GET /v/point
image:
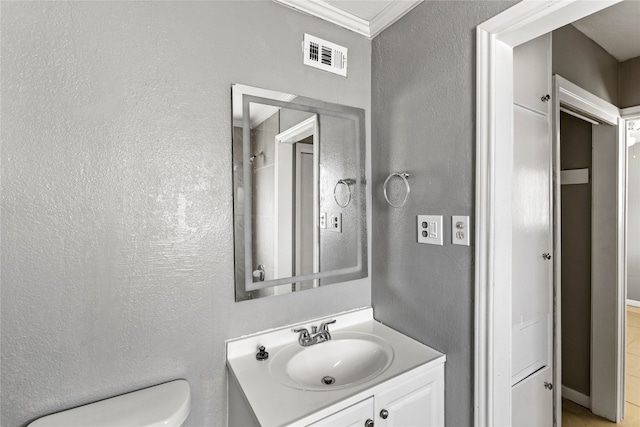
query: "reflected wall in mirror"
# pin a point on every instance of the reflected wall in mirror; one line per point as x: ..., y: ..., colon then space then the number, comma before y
x: 299, y: 193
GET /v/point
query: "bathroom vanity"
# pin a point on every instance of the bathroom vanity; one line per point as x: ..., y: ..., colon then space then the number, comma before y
x: 362, y: 374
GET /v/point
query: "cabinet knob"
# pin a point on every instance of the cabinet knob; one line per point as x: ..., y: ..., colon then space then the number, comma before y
x: 368, y: 423
x: 384, y: 414
x: 545, y: 98
x: 546, y: 256
x: 548, y: 385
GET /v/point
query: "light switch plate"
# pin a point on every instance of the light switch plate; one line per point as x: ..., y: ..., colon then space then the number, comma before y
x: 460, y: 230
x: 430, y: 229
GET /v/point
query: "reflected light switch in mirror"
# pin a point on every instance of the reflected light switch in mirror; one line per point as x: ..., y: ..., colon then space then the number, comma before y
x: 335, y: 223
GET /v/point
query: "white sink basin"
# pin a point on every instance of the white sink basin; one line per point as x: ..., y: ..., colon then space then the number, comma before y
x: 345, y: 361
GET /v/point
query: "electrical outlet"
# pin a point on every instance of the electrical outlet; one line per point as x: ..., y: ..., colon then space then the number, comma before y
x: 460, y: 231
x: 430, y: 229
x: 323, y: 220
x: 335, y: 223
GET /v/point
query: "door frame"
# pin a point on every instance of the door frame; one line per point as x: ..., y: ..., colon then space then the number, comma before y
x: 300, y: 150
x: 284, y: 196
x: 495, y: 40
x: 607, y: 379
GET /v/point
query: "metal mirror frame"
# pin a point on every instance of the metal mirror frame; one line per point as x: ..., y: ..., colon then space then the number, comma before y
x: 357, y: 115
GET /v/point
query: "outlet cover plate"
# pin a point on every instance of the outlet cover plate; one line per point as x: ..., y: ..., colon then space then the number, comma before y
x: 430, y: 229
x: 335, y: 223
x: 460, y: 230
x: 323, y: 220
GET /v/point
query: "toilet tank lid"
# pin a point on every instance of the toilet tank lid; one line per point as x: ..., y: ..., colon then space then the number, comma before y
x: 164, y: 405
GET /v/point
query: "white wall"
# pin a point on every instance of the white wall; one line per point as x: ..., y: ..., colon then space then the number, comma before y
x: 633, y: 224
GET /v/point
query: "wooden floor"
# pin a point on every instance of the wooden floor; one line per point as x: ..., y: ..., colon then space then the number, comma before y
x: 576, y: 416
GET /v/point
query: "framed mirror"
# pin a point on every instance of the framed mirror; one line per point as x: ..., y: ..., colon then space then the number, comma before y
x: 299, y: 192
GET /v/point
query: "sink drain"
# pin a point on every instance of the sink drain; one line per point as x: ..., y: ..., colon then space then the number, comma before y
x: 328, y: 380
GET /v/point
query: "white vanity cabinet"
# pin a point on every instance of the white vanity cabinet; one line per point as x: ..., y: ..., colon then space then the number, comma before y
x: 415, y: 398
x: 407, y: 389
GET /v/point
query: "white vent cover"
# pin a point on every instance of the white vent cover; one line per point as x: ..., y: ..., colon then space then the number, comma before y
x: 325, y: 55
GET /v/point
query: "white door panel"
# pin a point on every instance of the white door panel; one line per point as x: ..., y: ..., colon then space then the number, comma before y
x: 531, y: 74
x: 531, y: 281
x: 530, y: 346
x: 531, y: 217
x: 532, y: 401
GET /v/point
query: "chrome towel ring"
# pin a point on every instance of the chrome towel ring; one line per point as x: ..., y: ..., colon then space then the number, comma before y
x: 344, y: 182
x: 403, y: 176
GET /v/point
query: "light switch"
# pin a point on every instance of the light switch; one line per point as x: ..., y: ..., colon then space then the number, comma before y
x: 430, y: 229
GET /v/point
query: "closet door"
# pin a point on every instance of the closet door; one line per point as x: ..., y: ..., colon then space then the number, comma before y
x: 532, y: 263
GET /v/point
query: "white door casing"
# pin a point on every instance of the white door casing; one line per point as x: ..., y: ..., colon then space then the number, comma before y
x: 608, y: 241
x: 284, y: 195
x: 496, y: 39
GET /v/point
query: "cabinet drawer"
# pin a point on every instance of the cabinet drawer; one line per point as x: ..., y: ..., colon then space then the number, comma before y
x: 353, y: 416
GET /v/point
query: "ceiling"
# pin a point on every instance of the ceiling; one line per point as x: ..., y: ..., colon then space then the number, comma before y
x: 616, y: 29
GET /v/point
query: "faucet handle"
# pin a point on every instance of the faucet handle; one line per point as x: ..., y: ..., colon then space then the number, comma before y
x: 304, y: 337
x: 324, y: 326
x: 304, y: 333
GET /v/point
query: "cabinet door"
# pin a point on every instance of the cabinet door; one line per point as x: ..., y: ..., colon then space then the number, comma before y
x: 353, y: 416
x: 532, y: 74
x: 532, y: 401
x: 417, y: 401
x: 531, y: 294
x: 532, y: 238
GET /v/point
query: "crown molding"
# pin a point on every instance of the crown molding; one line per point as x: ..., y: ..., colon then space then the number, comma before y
x: 323, y: 10
x: 390, y: 15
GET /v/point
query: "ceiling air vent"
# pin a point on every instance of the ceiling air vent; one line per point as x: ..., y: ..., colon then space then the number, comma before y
x: 325, y: 55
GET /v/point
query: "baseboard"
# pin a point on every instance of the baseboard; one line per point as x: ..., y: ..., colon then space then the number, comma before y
x: 576, y: 397
x: 633, y: 302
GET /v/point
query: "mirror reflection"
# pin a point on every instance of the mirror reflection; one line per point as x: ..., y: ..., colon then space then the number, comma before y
x: 299, y: 197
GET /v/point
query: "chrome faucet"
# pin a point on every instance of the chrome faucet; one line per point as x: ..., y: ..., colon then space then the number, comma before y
x: 307, y: 338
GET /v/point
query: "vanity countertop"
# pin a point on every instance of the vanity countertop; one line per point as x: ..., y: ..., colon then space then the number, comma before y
x: 276, y: 404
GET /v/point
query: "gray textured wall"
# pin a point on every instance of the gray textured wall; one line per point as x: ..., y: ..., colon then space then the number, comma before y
x: 117, y: 236
x: 580, y: 60
x: 629, y: 73
x: 423, y: 107
x: 575, y: 153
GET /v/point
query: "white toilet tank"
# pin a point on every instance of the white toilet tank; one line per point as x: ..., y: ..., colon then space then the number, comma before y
x: 166, y: 405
